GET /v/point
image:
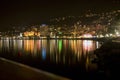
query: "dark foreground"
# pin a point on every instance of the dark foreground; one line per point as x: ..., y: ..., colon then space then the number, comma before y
x: 10, y: 70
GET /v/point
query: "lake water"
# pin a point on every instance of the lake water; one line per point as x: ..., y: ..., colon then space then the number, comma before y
x: 69, y: 58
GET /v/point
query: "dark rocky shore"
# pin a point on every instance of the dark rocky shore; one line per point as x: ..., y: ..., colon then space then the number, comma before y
x: 108, y: 59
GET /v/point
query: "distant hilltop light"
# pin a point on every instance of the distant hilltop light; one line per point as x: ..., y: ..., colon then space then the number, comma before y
x: 44, y: 25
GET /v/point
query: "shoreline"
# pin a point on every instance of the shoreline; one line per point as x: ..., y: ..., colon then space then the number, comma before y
x: 25, y: 38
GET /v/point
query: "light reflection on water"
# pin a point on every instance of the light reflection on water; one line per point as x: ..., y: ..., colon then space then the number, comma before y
x: 59, y: 51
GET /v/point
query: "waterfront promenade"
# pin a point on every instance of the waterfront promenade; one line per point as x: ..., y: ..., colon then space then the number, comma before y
x: 10, y: 70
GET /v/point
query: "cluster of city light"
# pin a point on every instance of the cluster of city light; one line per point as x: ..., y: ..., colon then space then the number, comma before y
x: 31, y: 33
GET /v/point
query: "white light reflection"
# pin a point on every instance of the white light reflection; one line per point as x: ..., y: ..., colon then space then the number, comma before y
x: 20, y: 44
x: 87, y: 45
x: 97, y: 45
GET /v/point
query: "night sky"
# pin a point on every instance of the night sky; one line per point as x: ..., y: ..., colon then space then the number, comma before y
x: 27, y: 12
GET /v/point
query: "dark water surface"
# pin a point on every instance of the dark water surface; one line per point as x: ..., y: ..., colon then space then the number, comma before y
x: 69, y: 58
